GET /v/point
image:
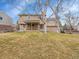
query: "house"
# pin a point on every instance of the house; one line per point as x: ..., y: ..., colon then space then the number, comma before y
x: 35, y: 22
x: 77, y: 27
x: 71, y: 29
x: 5, y: 23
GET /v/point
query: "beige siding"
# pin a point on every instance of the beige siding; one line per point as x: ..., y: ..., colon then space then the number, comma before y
x: 33, y: 21
x: 6, y: 20
x: 52, y: 29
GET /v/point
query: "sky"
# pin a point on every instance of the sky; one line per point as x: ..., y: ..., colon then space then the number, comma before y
x: 15, y: 7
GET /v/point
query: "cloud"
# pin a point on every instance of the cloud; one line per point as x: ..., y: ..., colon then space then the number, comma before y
x: 30, y: 1
x: 49, y: 12
x: 20, y: 7
x: 16, y: 9
x: 13, y: 12
x: 74, y: 8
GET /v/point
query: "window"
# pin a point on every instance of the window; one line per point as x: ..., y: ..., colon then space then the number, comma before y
x: 28, y: 17
x: 1, y: 18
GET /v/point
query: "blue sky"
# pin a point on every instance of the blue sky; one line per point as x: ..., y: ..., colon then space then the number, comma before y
x: 15, y: 7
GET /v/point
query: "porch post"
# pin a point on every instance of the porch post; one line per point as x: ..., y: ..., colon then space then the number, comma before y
x: 21, y: 27
x: 31, y: 26
x: 26, y: 27
x: 38, y: 27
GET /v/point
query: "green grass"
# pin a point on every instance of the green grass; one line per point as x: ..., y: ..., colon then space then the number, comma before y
x: 37, y: 45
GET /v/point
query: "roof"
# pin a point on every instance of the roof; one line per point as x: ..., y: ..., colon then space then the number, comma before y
x: 29, y: 15
x: 34, y: 18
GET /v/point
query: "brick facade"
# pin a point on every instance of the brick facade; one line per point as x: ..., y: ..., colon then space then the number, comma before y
x: 5, y: 23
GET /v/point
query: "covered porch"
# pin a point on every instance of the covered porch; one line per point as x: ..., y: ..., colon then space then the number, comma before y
x: 32, y: 26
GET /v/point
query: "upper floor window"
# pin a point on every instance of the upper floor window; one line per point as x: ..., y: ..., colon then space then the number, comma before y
x: 1, y: 18
x: 28, y: 17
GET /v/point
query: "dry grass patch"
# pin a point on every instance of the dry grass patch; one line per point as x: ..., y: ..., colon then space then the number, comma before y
x: 37, y: 45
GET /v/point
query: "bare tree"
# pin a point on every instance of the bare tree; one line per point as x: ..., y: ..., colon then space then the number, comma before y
x: 71, y: 21
x: 43, y: 9
x: 68, y: 21
x: 57, y: 9
x: 55, y: 12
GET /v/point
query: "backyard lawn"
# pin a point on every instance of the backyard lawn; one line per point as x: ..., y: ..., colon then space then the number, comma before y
x: 38, y: 45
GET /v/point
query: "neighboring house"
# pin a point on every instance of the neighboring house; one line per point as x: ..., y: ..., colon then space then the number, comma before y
x: 69, y: 29
x: 5, y: 23
x: 34, y: 22
x: 78, y: 27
